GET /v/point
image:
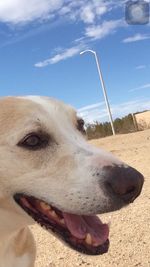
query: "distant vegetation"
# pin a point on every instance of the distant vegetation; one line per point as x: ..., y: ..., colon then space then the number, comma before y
x: 122, y: 126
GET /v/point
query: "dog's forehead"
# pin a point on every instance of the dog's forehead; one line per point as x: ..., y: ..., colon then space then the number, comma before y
x: 14, y: 109
x: 52, y: 105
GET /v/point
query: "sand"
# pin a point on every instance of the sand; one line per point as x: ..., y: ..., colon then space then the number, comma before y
x: 130, y: 228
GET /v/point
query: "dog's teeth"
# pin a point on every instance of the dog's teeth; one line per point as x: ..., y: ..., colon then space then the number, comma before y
x: 62, y: 221
x: 53, y: 213
x: 25, y: 202
x: 45, y: 206
x: 88, y: 239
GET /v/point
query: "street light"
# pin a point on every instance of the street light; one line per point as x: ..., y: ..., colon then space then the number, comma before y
x: 103, y: 87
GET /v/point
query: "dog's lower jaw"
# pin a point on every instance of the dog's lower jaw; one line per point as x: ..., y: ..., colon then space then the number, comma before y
x: 18, y: 249
x: 12, y: 218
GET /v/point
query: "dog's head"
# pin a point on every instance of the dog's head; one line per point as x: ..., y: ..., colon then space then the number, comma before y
x: 56, y: 176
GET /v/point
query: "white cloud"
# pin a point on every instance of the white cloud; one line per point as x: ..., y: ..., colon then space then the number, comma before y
x: 140, y: 67
x: 97, y: 105
x: 92, y: 33
x: 87, y: 14
x: 18, y: 12
x: 62, y: 55
x: 104, y: 29
x: 101, y: 10
x: 22, y: 11
x: 95, y: 9
x: 137, y: 37
x: 89, y: 11
x: 97, y: 112
x: 145, y: 86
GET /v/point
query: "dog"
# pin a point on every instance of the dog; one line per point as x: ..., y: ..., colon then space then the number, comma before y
x: 51, y: 175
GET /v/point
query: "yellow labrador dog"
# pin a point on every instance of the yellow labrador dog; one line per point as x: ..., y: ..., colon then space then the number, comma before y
x: 49, y: 174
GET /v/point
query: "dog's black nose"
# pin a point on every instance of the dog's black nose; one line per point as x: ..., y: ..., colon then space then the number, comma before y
x: 124, y: 182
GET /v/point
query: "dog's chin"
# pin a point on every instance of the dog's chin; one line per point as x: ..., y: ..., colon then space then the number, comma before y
x: 85, y: 234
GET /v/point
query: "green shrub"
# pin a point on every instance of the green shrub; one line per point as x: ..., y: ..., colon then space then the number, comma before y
x: 99, y: 130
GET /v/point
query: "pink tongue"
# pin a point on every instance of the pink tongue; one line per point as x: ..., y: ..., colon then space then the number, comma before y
x: 79, y: 226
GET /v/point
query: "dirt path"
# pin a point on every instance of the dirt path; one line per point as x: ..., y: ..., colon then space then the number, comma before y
x: 130, y: 230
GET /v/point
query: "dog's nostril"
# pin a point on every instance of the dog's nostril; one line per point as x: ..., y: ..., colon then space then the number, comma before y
x: 125, y: 183
x: 131, y: 189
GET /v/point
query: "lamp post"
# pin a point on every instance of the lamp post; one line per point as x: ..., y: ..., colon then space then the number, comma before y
x: 103, y: 87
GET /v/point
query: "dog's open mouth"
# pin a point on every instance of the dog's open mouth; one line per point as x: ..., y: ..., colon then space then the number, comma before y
x: 86, y: 234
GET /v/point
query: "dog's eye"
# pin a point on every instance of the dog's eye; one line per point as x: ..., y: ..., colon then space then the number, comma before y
x: 34, y: 141
x: 80, y: 125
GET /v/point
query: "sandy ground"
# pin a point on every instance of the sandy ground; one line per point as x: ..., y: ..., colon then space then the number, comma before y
x: 130, y: 229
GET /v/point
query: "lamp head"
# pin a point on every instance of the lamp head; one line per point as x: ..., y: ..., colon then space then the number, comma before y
x: 89, y: 50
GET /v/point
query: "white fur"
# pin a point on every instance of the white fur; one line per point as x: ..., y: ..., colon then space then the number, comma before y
x: 63, y: 174
x: 11, y: 260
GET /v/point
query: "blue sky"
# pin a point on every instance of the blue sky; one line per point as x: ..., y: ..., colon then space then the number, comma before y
x: 40, y: 45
